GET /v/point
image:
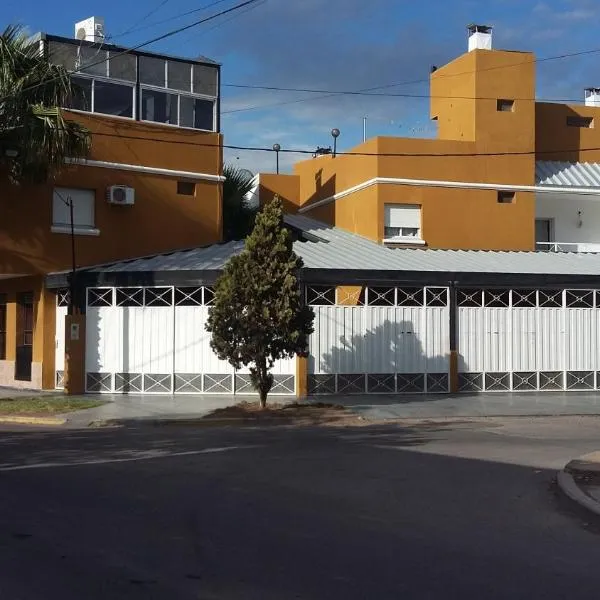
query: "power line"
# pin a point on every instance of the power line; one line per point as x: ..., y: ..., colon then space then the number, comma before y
x: 332, y: 94
x: 352, y: 153
x: 384, y: 95
x: 144, y: 44
x: 231, y: 18
x: 169, y: 19
x: 146, y: 16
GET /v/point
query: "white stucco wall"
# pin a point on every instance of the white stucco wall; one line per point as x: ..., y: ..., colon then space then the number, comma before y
x: 569, y: 226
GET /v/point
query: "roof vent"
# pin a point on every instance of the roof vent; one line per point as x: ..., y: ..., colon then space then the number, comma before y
x: 480, y: 37
x: 592, y: 96
x: 91, y: 29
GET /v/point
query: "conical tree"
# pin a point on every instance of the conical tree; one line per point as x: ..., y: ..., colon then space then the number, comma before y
x: 258, y: 315
x: 35, y: 138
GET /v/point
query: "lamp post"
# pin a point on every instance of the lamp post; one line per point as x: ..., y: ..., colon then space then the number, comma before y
x: 335, y: 133
x: 277, y: 148
x: 69, y: 202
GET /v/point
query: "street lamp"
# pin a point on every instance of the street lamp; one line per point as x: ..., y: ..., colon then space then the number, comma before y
x: 335, y: 133
x: 277, y: 148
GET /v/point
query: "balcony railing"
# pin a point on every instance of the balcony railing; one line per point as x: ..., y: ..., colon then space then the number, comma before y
x: 567, y: 247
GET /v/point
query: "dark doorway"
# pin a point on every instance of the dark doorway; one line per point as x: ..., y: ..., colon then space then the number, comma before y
x: 24, y: 336
x: 543, y: 231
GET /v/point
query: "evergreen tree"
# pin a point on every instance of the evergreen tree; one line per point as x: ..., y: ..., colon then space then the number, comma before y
x: 258, y: 315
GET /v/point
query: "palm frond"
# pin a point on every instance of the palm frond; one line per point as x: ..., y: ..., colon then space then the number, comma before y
x: 31, y: 122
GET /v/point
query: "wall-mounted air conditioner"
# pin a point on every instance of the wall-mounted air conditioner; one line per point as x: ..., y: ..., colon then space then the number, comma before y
x: 120, y: 194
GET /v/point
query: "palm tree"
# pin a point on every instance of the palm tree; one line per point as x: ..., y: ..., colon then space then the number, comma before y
x: 35, y: 138
x: 238, y: 217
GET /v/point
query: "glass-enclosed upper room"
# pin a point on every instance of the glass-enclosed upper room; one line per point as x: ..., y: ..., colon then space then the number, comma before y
x: 144, y: 86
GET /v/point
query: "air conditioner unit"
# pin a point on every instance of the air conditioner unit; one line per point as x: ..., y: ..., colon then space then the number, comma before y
x: 120, y: 194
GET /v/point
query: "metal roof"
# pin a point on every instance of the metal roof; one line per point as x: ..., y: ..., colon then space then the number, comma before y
x: 577, y: 174
x: 324, y: 247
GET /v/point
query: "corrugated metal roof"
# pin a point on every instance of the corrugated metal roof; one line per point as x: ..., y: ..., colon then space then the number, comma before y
x: 555, y: 173
x: 325, y: 247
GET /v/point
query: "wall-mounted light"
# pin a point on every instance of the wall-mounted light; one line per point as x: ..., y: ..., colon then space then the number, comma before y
x: 11, y: 153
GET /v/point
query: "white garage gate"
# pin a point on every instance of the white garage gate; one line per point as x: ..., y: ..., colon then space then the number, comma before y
x: 389, y: 340
x: 528, y: 339
x: 153, y: 340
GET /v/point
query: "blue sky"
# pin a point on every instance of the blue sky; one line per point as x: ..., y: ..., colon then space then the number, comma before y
x: 336, y: 45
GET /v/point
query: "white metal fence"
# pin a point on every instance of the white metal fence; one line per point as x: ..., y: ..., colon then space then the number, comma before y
x: 153, y: 340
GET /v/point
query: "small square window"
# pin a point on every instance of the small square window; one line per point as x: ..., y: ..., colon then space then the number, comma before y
x: 186, y: 188
x: 506, y: 197
x: 402, y: 221
x: 504, y: 105
x: 83, y: 209
x: 581, y: 122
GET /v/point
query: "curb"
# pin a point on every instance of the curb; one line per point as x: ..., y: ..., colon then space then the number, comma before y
x: 16, y: 420
x: 569, y: 488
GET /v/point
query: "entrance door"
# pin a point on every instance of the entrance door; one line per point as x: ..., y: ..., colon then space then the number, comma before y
x: 24, y: 337
x: 543, y: 233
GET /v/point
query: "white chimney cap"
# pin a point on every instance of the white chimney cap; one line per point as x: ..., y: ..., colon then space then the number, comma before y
x: 592, y: 96
x: 91, y: 29
x: 480, y: 37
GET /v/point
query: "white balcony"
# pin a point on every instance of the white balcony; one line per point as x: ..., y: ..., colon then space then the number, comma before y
x: 588, y: 247
x: 567, y: 222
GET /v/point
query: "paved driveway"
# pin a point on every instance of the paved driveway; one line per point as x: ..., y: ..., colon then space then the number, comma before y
x: 473, y: 405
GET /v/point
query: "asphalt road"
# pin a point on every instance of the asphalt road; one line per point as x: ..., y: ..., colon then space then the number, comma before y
x: 463, y: 510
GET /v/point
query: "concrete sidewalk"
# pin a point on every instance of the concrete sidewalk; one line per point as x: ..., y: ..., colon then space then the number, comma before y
x: 123, y: 407
x: 490, y: 404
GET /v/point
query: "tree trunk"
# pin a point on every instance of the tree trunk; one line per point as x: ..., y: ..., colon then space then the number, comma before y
x: 263, y: 381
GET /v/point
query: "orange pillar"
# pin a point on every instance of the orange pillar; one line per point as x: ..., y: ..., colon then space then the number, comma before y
x: 301, y: 376
x: 75, y: 354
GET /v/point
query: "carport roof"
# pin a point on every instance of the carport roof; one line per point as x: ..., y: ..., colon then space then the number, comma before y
x: 331, y: 250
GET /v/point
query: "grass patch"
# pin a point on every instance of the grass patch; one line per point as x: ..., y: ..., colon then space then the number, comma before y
x: 45, y: 405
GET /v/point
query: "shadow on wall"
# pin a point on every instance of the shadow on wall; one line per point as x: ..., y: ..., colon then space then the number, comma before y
x: 392, y: 347
x: 322, y: 190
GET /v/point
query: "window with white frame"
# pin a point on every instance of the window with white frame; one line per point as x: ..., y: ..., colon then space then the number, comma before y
x: 83, y: 210
x: 402, y: 222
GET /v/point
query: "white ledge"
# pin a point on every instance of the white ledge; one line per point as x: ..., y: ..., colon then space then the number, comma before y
x: 467, y: 185
x: 103, y: 164
x: 405, y: 241
x: 76, y: 230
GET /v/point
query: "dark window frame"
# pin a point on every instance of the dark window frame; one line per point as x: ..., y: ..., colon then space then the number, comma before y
x: 580, y: 121
x: 506, y: 197
x: 505, y: 105
x: 186, y: 188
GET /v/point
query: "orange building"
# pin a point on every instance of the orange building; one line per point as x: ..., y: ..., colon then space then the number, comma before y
x: 152, y: 183
x: 505, y: 172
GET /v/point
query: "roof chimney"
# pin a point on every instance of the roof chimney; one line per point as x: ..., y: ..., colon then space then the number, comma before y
x: 592, y: 96
x: 480, y: 37
x: 91, y: 29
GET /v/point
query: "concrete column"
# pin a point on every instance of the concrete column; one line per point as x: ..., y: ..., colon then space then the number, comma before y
x: 75, y: 354
x: 301, y: 376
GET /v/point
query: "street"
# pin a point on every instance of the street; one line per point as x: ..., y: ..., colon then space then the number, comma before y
x: 431, y: 510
